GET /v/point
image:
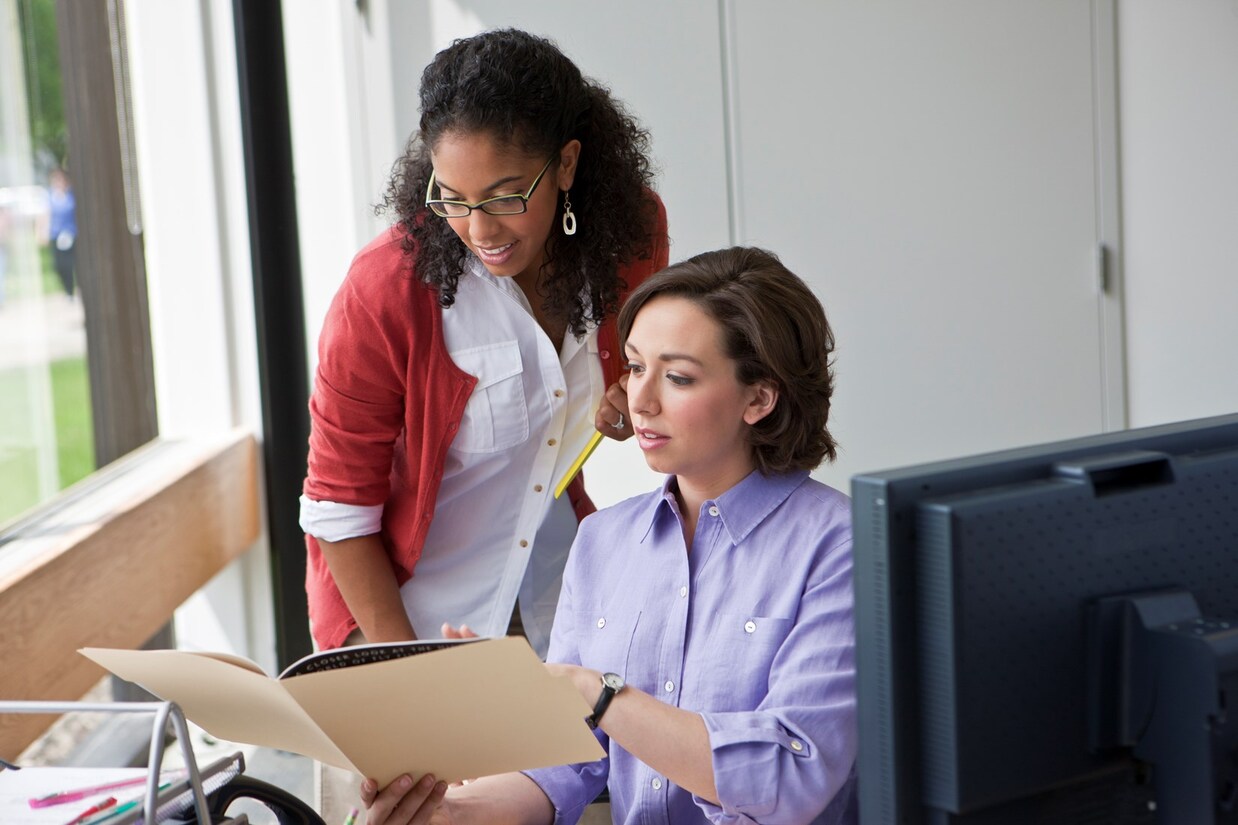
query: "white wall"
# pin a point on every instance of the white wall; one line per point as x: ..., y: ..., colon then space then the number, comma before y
x: 1179, y: 130
x: 931, y: 170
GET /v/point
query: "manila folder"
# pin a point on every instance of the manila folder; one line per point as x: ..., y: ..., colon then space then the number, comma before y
x: 460, y: 712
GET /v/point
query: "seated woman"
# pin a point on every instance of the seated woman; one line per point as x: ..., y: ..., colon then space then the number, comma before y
x: 709, y: 622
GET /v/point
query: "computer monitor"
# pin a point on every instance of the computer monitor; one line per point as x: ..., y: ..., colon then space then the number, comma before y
x: 1046, y: 634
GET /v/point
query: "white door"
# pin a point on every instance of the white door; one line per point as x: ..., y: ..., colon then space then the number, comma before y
x: 935, y: 171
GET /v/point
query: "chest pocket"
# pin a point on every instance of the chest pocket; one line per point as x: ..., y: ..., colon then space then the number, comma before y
x: 604, y: 641
x: 751, y: 642
x: 496, y: 416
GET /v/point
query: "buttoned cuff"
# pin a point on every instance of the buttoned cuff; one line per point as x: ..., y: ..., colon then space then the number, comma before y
x: 570, y: 788
x: 750, y: 753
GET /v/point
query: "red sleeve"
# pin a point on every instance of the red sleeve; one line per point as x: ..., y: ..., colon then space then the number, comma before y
x: 358, y: 402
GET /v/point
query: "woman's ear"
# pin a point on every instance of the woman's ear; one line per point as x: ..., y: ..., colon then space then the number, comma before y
x: 761, y: 402
x: 568, y: 157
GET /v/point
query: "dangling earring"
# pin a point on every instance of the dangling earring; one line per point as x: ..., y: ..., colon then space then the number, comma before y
x: 569, y: 218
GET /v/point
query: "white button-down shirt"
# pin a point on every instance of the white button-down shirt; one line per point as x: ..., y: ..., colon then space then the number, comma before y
x: 498, y: 531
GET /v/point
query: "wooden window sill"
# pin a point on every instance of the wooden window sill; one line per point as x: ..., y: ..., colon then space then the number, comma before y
x: 108, y: 562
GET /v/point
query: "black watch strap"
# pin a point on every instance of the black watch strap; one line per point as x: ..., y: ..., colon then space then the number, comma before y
x: 612, y: 683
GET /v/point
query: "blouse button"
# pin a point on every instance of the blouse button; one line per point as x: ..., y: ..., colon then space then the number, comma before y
x: 670, y: 687
x: 601, y: 623
x: 524, y: 543
x: 657, y: 784
x: 683, y: 592
x: 750, y: 626
x: 558, y: 393
x: 537, y: 488
x: 713, y: 511
x: 796, y: 745
x: 551, y: 442
x: 604, y: 354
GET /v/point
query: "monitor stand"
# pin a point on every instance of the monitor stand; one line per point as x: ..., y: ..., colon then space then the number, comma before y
x: 1163, y: 681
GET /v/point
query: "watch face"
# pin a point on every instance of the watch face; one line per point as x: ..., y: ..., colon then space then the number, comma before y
x: 613, y: 681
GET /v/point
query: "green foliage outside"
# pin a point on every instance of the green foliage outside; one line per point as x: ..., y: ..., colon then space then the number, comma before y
x: 41, y: 54
x: 19, y: 489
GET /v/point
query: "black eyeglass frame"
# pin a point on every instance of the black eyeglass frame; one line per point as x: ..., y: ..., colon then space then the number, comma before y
x: 435, y: 204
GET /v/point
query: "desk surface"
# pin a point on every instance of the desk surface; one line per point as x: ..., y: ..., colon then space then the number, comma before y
x: 18, y: 787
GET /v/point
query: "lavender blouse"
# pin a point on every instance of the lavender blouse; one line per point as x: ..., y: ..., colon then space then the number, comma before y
x: 753, y: 630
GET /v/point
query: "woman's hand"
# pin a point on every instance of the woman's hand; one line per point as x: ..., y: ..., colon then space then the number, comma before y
x: 588, y: 682
x: 461, y: 632
x: 405, y: 802
x: 612, y: 416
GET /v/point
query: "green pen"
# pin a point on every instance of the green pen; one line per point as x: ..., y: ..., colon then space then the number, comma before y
x: 104, y: 816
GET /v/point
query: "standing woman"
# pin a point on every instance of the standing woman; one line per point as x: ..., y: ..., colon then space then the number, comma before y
x: 471, y: 351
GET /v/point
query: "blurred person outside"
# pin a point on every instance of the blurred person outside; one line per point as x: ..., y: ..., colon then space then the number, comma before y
x: 62, y: 227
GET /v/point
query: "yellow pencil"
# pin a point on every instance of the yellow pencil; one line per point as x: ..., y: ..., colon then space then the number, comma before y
x: 578, y: 463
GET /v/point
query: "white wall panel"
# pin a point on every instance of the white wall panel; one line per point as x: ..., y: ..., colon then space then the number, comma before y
x: 1178, y: 65
x: 929, y: 168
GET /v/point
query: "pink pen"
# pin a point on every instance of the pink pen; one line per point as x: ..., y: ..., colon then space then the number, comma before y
x: 82, y: 793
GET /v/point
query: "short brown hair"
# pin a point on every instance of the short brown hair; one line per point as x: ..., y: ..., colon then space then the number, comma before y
x: 775, y: 330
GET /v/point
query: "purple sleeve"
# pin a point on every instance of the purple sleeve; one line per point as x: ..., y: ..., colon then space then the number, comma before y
x: 570, y: 788
x: 787, y: 759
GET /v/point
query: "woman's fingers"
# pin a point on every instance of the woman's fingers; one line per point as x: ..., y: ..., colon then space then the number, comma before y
x: 462, y: 632
x: 612, y: 416
x: 403, y: 802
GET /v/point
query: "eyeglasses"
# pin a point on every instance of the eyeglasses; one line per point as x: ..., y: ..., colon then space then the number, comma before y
x: 502, y: 205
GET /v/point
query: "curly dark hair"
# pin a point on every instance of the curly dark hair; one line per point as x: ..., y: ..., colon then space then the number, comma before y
x: 775, y: 329
x: 522, y: 90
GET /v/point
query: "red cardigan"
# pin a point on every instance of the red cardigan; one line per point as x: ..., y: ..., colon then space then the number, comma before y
x: 387, y: 403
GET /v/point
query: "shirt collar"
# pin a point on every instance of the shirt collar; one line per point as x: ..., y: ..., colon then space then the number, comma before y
x: 741, y: 508
x: 473, y: 266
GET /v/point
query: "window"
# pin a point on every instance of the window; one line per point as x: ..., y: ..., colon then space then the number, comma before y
x: 46, y: 431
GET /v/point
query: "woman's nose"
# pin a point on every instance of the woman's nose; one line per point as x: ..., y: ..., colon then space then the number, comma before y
x: 642, y: 398
x: 482, y: 226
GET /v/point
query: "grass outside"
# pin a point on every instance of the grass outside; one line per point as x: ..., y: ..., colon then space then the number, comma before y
x: 74, y: 433
x: 47, y: 282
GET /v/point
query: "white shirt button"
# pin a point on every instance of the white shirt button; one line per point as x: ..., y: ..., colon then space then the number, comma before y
x: 657, y: 784
x: 750, y: 626
x: 558, y: 393
x: 601, y: 623
x: 670, y: 686
x: 683, y: 592
x: 797, y: 745
x: 713, y: 511
x: 537, y: 488
x: 550, y: 442
x: 524, y: 543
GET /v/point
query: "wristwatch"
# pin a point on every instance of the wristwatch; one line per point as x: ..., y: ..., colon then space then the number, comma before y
x: 612, y: 683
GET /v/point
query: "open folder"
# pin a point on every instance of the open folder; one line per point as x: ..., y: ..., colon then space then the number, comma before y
x: 457, y: 709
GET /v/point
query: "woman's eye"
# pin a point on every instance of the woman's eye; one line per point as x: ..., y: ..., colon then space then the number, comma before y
x: 630, y: 367
x: 678, y: 380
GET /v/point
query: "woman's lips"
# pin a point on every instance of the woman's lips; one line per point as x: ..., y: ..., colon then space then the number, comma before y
x: 496, y: 256
x: 650, y: 440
